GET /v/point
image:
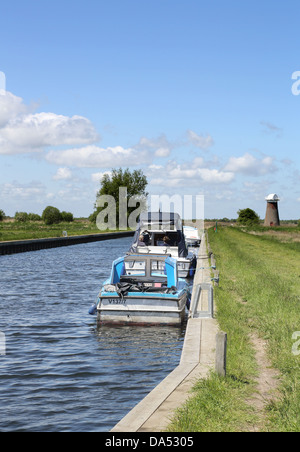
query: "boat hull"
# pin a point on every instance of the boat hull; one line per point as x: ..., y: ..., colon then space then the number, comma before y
x: 141, y: 310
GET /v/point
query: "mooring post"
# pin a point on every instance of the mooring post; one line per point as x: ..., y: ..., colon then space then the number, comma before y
x: 221, y: 353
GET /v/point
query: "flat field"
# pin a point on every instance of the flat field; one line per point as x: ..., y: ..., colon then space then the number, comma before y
x: 11, y: 230
x: 258, y: 305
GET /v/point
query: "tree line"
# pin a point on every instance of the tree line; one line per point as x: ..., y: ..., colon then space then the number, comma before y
x: 51, y: 215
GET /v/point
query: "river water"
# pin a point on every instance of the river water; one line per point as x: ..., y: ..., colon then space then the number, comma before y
x: 61, y: 373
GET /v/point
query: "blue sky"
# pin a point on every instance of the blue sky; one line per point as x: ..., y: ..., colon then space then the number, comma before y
x: 196, y: 93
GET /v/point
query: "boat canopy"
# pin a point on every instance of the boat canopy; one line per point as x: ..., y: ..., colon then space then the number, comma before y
x: 160, y: 224
x: 141, y: 268
x: 161, y: 221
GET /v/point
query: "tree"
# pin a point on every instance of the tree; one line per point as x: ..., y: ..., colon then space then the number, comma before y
x: 67, y: 217
x: 21, y: 217
x: 247, y: 217
x: 2, y: 215
x: 126, y: 190
x: 51, y: 215
x: 34, y: 217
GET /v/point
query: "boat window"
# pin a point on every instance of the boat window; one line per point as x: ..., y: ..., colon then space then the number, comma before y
x: 158, y: 268
x: 158, y: 239
x: 135, y: 268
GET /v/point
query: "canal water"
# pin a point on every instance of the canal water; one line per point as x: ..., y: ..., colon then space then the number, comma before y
x: 61, y: 373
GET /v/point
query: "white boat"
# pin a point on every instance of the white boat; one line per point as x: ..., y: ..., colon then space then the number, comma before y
x: 143, y: 290
x: 153, y: 230
x: 191, y: 235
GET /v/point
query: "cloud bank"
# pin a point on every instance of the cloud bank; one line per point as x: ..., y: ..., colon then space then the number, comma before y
x: 23, y: 132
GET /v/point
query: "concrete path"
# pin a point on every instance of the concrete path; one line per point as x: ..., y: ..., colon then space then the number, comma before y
x: 155, y: 411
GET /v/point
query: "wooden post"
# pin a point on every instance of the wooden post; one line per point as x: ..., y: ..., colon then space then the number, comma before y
x: 221, y: 352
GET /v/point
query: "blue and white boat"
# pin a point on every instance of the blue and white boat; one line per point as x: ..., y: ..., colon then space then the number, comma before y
x: 191, y: 235
x: 143, y: 290
x: 154, y: 228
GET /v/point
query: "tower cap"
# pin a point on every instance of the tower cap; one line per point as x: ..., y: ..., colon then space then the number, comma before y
x: 273, y: 197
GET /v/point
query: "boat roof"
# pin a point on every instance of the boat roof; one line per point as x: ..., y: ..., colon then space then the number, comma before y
x: 160, y: 218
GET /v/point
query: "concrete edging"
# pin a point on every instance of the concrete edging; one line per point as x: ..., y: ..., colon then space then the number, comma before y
x: 23, y: 246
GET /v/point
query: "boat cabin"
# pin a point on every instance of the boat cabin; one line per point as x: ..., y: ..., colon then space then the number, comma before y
x: 160, y: 229
x: 151, y: 270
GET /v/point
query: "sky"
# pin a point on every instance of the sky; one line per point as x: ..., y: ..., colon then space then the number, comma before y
x: 200, y: 95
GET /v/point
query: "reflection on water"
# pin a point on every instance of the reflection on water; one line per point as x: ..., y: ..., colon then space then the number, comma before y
x: 61, y: 372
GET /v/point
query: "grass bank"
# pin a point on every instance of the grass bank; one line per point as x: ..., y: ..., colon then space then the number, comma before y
x: 11, y: 230
x: 259, y: 294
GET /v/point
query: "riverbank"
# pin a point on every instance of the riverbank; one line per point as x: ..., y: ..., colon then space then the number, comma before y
x: 23, y: 246
x: 258, y: 306
x: 11, y: 230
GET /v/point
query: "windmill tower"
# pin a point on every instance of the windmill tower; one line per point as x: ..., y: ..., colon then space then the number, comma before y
x: 272, y: 213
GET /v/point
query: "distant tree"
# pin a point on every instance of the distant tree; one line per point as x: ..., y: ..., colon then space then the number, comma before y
x: 247, y: 217
x: 135, y: 183
x: 67, y: 217
x: 51, y: 215
x: 21, y: 217
x: 2, y: 215
x: 34, y: 217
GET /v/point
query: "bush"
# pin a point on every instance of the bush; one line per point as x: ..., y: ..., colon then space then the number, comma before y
x: 51, y: 215
x: 67, y: 217
x: 34, y: 217
x: 93, y: 217
x: 248, y: 217
x: 21, y: 217
x: 2, y: 215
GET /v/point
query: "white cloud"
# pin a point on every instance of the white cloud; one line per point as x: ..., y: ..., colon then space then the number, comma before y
x: 160, y: 146
x: 214, y: 176
x: 250, y: 165
x: 22, y: 132
x: 97, y: 157
x: 63, y: 174
x: 193, y: 173
x: 97, y: 177
x: 202, y: 142
x: 170, y: 183
x: 10, y: 107
x: 15, y: 190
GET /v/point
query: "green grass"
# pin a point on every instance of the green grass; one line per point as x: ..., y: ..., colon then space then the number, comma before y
x: 38, y: 230
x: 259, y: 291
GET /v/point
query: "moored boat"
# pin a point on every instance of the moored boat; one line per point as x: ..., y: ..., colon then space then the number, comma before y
x: 162, y: 233
x: 143, y: 290
x: 191, y: 235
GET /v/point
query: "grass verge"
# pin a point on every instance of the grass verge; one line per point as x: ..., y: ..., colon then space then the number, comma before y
x: 259, y: 292
x: 10, y: 231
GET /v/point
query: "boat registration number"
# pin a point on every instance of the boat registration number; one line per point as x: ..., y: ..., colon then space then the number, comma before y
x: 116, y: 301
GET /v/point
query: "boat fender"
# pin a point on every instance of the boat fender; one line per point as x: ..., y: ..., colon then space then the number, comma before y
x: 93, y: 309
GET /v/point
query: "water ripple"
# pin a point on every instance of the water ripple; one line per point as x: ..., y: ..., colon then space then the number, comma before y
x: 60, y: 372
